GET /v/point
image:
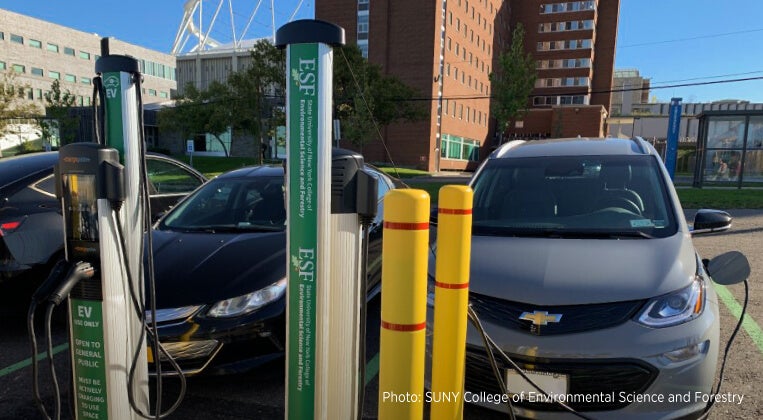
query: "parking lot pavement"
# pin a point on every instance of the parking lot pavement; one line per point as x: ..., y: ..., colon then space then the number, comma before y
x: 259, y: 395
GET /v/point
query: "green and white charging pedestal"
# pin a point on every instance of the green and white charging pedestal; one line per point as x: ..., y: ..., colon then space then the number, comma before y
x: 324, y: 288
x: 105, y: 327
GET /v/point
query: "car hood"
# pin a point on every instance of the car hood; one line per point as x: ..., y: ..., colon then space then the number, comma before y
x: 200, y: 268
x: 545, y: 271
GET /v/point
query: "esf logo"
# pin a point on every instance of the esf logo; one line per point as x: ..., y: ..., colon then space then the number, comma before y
x: 111, y: 86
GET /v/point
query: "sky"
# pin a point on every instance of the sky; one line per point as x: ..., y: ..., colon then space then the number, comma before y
x: 668, y: 41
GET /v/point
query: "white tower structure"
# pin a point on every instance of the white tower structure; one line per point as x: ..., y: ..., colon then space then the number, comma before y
x: 210, y: 24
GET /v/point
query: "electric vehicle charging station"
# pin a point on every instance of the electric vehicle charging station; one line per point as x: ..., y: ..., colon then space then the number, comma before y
x: 104, y: 222
x: 325, y: 293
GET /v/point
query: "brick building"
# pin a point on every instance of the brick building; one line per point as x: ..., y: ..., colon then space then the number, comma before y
x: 447, y: 48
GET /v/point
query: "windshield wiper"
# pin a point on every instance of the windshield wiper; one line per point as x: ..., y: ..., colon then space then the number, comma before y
x: 597, y: 234
x: 563, y: 234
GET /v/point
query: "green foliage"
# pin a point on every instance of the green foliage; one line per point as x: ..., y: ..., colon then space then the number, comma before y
x: 13, y: 102
x: 199, y: 112
x: 254, y: 90
x: 363, y: 94
x: 512, y: 81
x: 59, y: 121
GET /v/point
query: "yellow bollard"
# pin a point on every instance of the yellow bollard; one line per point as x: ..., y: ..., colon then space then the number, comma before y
x: 451, y: 299
x: 403, y: 305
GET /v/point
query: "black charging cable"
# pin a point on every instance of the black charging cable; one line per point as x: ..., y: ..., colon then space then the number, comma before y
x: 54, y: 290
x: 490, y: 347
x: 709, y: 406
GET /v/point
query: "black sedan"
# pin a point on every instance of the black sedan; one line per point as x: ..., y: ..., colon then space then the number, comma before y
x: 220, y: 269
x: 31, y: 226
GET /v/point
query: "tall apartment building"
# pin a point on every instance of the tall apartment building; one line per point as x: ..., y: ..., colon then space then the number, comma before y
x: 39, y: 52
x: 447, y: 50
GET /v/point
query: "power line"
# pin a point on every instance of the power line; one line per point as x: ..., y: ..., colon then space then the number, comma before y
x: 711, y: 77
x: 690, y: 38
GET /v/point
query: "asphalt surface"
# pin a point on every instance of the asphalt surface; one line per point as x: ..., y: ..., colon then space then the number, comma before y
x: 260, y: 395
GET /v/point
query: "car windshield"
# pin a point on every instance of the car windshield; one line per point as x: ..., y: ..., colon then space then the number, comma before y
x: 573, y: 197
x: 231, y: 205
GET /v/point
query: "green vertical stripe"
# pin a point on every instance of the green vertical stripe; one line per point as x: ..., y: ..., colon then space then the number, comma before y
x: 303, y: 227
x: 112, y: 86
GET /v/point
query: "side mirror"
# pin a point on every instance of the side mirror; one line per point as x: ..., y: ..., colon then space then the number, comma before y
x: 729, y: 268
x: 710, y: 221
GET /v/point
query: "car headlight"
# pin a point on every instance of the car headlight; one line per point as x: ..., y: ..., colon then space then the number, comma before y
x: 675, y: 308
x: 242, y: 305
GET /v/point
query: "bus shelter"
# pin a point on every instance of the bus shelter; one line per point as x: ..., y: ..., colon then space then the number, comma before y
x: 729, y: 149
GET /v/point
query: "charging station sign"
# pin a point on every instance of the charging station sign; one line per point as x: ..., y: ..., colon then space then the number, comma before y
x: 303, y: 226
x: 88, y: 359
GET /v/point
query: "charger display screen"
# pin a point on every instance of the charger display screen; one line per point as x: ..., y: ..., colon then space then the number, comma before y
x: 81, y: 206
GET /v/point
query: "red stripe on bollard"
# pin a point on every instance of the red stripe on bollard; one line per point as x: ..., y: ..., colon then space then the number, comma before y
x: 455, y: 211
x: 406, y: 226
x: 452, y: 285
x: 403, y: 327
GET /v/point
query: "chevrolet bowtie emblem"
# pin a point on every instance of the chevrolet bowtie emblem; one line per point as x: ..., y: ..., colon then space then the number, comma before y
x: 540, y: 317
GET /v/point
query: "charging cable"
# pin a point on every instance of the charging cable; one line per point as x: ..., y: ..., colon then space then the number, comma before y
x: 54, y: 290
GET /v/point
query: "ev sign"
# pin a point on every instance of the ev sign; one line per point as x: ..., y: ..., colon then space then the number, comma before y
x: 111, y: 86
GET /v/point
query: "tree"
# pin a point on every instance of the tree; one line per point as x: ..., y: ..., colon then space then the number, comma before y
x: 13, y: 104
x: 58, y: 115
x: 199, y: 112
x: 257, y: 93
x: 362, y: 95
x: 512, y: 81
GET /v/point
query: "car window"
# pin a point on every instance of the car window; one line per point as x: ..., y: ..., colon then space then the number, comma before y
x: 170, y: 178
x: 232, y: 204
x: 570, y: 195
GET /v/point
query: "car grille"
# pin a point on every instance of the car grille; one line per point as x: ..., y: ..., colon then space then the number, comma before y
x: 575, y: 318
x: 586, y: 377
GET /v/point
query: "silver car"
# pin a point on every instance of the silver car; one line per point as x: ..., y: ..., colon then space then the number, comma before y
x: 584, y: 273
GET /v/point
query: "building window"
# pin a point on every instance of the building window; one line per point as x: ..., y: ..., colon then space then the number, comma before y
x: 38, y: 94
x: 571, y: 6
x: 35, y: 43
x: 2, y: 36
x: 85, y: 80
x: 69, y: 51
x: 572, y: 44
x: 84, y: 55
x: 164, y: 95
x: 18, y: 68
x: 37, y: 72
x: 52, y: 47
x: 70, y: 78
x: 54, y: 75
x: 2, y: 65
x: 152, y: 92
x: 17, y: 39
x: 362, y: 26
x: 460, y: 148
x: 363, y: 5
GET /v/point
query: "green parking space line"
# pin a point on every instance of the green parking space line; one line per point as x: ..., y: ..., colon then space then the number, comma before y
x: 372, y: 368
x: 28, y: 362
x: 749, y: 324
